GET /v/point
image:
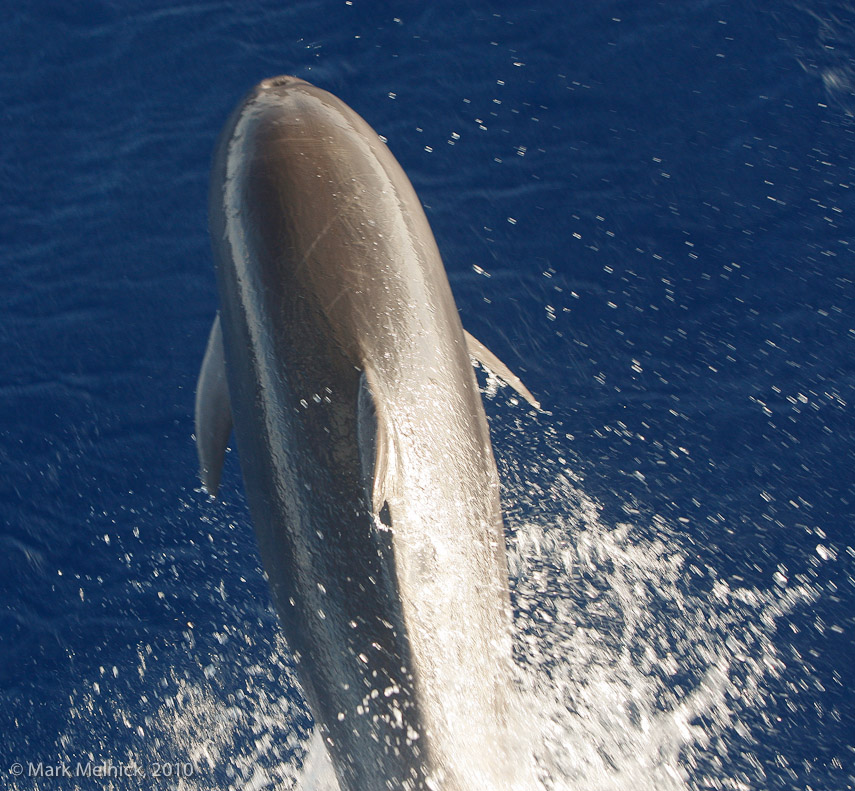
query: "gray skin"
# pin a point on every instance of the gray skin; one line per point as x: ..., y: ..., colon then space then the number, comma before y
x: 341, y: 360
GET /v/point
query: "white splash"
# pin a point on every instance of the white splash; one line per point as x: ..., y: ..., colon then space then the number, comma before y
x: 638, y: 666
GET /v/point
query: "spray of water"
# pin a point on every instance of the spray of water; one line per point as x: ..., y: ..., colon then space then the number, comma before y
x: 636, y: 665
x: 639, y: 664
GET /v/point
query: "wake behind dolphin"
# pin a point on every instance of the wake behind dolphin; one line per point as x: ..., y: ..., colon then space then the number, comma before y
x: 339, y: 358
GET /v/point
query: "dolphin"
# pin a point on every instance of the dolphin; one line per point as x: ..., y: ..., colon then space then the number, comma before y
x: 339, y: 359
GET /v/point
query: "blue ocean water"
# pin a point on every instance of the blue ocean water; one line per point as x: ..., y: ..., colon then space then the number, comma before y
x: 645, y: 209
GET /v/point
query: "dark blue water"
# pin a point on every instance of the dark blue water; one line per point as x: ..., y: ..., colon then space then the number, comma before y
x: 646, y: 209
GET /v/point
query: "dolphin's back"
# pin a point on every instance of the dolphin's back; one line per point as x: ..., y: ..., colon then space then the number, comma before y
x: 364, y: 446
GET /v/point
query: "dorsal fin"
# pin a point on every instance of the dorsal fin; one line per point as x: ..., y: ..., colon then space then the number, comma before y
x: 375, y: 447
x: 489, y: 360
x: 213, y: 412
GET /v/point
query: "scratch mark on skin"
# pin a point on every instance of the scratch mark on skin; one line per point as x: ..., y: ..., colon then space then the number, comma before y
x: 324, y: 231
